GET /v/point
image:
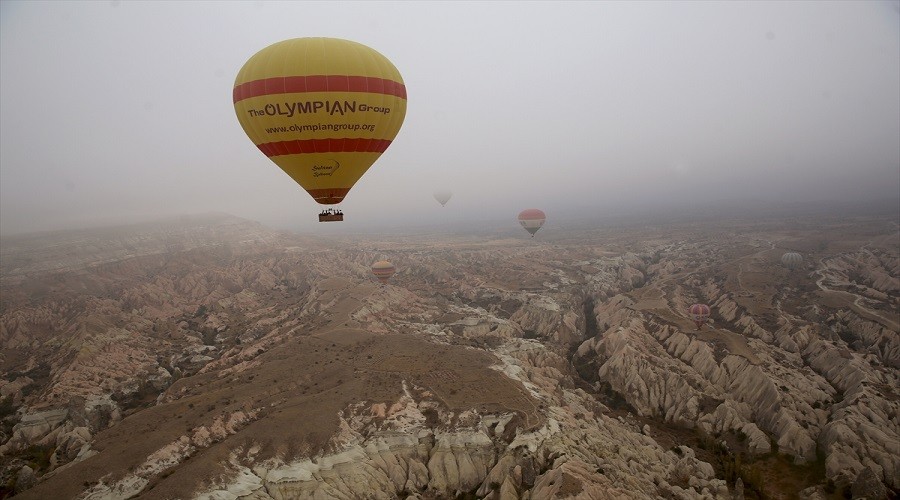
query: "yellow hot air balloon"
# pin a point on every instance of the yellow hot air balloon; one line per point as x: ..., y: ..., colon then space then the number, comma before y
x: 322, y: 109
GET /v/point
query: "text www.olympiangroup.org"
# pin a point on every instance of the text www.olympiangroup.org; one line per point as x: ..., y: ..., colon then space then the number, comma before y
x: 322, y: 126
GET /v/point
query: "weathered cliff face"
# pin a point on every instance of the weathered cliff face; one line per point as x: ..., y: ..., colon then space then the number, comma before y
x: 774, y: 365
x: 242, y: 363
x: 96, y: 324
x: 413, y: 447
x: 669, y: 375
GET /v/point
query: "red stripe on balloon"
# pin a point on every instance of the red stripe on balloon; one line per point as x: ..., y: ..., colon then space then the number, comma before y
x: 317, y: 83
x: 299, y: 147
x: 699, y: 309
x: 328, y: 196
x: 531, y: 214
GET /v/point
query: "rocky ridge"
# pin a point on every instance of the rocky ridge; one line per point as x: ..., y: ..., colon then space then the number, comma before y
x: 599, y: 385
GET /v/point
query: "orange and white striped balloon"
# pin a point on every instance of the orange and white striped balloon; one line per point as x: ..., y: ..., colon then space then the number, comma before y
x: 383, y: 270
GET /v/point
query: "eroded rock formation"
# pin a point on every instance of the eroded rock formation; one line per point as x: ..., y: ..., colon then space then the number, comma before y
x: 237, y: 362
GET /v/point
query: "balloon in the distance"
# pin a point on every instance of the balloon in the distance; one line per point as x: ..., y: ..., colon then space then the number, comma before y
x: 532, y: 219
x: 383, y: 270
x: 443, y: 196
x: 322, y: 109
x: 791, y: 260
x: 699, y: 313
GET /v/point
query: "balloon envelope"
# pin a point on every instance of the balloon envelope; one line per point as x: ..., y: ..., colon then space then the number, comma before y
x: 322, y: 109
x: 791, y: 260
x: 383, y: 270
x: 443, y: 197
x: 532, y: 219
x: 699, y: 313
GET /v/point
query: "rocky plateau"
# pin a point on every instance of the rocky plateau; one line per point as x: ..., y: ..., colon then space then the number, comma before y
x: 211, y: 357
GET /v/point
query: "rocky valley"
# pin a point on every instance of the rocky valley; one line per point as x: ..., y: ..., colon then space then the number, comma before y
x: 211, y: 357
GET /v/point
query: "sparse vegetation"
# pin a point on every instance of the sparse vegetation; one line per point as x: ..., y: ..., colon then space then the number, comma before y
x: 37, y: 457
x: 613, y: 399
x: 590, y: 319
x: 761, y: 475
x: 143, y: 397
x: 529, y: 334
x: 6, y: 407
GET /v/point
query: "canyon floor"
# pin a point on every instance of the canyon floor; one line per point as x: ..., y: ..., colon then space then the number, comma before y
x: 212, y: 357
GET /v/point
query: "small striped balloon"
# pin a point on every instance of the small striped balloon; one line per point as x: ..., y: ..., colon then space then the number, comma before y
x: 791, y: 260
x: 383, y: 270
x: 699, y: 314
x: 532, y: 219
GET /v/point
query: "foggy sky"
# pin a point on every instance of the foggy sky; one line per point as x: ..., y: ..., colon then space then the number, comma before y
x: 117, y: 111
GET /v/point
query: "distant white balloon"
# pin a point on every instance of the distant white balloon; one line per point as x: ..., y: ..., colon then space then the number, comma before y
x: 443, y: 196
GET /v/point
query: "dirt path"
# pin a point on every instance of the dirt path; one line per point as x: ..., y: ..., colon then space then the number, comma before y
x: 854, y: 303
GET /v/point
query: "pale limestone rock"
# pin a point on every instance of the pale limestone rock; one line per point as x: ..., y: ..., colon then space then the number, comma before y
x: 757, y: 442
x: 25, y: 478
x: 500, y: 473
x: 738, y: 489
x: 607, y: 457
x: 12, y: 388
x: 868, y: 486
x: 813, y: 493
x: 418, y: 476
x: 637, y: 370
x: 34, y: 427
x: 245, y: 484
x: 459, y: 462
x: 68, y: 444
